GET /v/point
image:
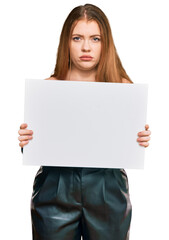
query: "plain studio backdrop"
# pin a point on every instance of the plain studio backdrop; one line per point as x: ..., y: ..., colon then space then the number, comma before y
x: 30, y: 33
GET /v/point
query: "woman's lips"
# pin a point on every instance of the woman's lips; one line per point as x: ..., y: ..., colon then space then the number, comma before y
x: 86, y: 58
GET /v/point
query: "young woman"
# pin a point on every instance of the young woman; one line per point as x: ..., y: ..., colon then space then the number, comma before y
x: 70, y: 202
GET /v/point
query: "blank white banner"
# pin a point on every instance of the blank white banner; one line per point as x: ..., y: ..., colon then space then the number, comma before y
x: 85, y: 124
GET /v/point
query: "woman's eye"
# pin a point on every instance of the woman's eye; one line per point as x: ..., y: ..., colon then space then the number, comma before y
x: 96, y: 39
x: 76, y: 38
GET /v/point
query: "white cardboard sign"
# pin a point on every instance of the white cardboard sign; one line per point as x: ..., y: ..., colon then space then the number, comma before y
x: 84, y: 124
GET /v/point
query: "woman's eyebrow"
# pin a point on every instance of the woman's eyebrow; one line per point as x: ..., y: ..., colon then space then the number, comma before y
x: 94, y: 35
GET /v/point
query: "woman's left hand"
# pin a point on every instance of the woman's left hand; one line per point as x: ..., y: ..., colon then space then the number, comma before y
x: 144, y: 137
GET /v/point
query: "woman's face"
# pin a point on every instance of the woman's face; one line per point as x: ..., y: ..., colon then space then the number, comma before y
x: 85, y: 45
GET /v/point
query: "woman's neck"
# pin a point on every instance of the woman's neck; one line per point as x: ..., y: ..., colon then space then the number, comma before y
x: 78, y: 75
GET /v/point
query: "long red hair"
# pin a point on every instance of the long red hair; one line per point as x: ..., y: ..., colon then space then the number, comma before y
x: 109, y: 68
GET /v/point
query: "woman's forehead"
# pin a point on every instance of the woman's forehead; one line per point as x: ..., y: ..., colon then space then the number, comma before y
x: 85, y: 26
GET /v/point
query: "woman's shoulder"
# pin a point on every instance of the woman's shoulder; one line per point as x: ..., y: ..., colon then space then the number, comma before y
x: 51, y: 78
x: 124, y: 80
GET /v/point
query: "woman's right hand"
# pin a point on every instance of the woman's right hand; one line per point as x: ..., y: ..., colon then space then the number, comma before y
x: 25, y: 135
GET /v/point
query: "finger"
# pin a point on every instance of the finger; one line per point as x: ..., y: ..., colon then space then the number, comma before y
x: 22, y: 144
x: 143, y: 139
x: 25, y: 132
x: 23, y: 125
x: 144, y: 133
x: 144, y: 144
x: 26, y: 137
x: 146, y: 127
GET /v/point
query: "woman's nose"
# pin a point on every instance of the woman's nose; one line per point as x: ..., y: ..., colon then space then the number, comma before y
x: 86, y: 46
